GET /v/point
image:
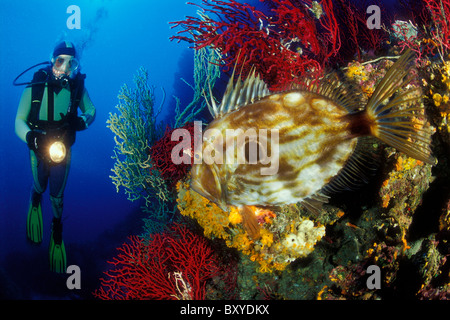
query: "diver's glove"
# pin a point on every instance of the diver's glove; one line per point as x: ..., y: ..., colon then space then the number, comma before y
x: 35, y: 139
x: 80, y: 124
x: 75, y: 122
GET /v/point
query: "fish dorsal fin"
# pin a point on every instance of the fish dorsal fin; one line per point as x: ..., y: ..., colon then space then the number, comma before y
x: 333, y: 87
x: 239, y: 94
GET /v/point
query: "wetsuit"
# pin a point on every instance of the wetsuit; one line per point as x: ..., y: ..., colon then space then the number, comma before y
x: 44, y: 173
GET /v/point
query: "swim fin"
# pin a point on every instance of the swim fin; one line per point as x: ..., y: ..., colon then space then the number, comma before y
x: 57, y: 251
x: 34, y: 223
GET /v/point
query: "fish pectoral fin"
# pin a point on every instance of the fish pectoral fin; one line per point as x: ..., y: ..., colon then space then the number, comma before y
x: 315, y: 202
x: 249, y: 222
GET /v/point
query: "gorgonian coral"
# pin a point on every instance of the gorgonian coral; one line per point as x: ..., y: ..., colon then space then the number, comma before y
x: 173, y: 265
x: 165, y: 150
x: 292, y: 39
x: 134, y: 127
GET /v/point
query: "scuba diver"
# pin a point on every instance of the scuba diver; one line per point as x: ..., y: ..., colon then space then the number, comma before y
x: 47, y: 120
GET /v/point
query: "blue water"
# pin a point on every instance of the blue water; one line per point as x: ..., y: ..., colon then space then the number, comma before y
x: 120, y: 36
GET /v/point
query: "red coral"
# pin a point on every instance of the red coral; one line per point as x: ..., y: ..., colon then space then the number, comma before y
x: 283, y: 46
x: 329, y: 35
x: 173, y: 265
x: 440, y: 14
x: 161, y: 153
x: 431, y: 18
x: 354, y: 31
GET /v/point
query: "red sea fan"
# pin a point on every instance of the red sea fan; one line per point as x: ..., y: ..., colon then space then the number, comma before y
x: 161, y: 153
x: 439, y: 11
x: 287, y: 43
x: 356, y: 36
x: 176, y: 264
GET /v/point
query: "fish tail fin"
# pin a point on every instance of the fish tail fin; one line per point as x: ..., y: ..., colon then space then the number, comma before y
x: 399, y: 121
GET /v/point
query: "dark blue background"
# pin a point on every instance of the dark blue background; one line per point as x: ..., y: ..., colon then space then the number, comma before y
x: 120, y: 37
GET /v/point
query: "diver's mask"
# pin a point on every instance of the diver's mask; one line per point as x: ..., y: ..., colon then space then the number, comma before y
x: 64, y: 66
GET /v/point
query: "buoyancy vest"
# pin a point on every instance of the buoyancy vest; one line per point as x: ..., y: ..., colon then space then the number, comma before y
x: 64, y: 126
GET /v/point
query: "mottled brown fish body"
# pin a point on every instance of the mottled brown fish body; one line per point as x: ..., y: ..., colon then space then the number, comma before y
x: 313, y: 146
x: 318, y: 130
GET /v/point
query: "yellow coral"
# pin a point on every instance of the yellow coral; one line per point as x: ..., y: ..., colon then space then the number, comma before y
x: 241, y: 242
x: 355, y: 70
x: 445, y: 72
x: 403, y: 170
x: 213, y: 219
x: 368, y: 89
x: 265, y: 267
x: 386, y: 199
x: 405, y: 244
x: 441, y: 100
x: 268, y: 251
x: 319, y: 295
x: 398, y: 165
x: 437, y: 99
x: 234, y: 216
x: 444, y: 221
x: 266, y: 237
x: 403, y: 164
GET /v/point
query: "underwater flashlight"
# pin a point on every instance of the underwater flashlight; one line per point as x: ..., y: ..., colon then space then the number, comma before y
x: 57, y: 152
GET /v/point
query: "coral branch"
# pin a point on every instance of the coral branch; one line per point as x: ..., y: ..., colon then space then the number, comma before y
x: 135, y: 131
x: 161, y: 154
x: 206, y: 71
x: 176, y: 264
x: 440, y: 14
x: 282, y: 46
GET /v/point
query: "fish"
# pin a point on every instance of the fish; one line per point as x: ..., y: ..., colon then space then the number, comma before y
x: 322, y: 130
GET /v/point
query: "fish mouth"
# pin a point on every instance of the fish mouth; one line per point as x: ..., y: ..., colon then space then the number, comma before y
x: 211, y: 189
x: 222, y: 205
x: 196, y: 186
